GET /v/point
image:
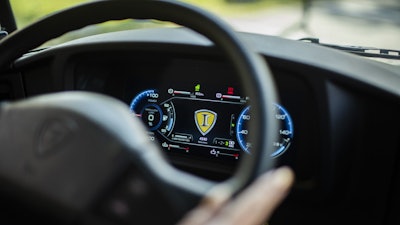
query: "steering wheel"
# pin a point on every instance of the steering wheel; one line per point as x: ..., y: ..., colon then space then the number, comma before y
x: 82, y: 157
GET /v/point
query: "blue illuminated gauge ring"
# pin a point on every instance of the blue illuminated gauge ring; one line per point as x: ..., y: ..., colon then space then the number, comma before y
x: 150, y: 113
x: 285, y: 133
x: 285, y: 130
x: 141, y: 97
x: 242, y: 131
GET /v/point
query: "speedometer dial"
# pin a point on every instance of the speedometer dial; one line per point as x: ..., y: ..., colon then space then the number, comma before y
x: 242, y: 130
x: 285, y: 132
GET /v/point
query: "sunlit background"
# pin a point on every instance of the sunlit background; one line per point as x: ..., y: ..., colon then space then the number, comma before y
x: 347, y: 22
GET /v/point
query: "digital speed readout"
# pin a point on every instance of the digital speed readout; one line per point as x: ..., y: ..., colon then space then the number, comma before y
x: 194, y: 123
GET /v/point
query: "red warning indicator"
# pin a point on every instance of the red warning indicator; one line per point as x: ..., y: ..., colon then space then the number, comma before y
x: 230, y: 91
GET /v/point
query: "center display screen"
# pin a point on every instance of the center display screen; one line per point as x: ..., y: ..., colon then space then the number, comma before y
x: 193, y: 121
x: 212, y: 122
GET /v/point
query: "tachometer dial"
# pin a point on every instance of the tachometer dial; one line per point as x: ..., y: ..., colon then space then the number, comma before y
x: 155, y: 115
x: 285, y: 131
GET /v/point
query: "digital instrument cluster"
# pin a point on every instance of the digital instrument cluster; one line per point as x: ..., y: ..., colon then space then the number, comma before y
x: 202, y: 121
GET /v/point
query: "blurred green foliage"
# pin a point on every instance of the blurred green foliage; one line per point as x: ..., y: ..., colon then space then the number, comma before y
x: 27, y: 12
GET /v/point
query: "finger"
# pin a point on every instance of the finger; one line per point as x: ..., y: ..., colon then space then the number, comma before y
x: 256, y: 203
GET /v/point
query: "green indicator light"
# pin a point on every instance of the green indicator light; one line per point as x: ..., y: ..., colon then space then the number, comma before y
x: 197, y: 88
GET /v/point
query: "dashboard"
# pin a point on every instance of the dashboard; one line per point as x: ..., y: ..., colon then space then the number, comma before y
x: 193, y: 108
x: 338, y: 113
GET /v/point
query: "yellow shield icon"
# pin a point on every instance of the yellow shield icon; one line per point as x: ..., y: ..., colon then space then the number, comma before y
x: 205, y: 120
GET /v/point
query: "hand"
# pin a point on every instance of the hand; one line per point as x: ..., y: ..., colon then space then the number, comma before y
x: 253, y: 206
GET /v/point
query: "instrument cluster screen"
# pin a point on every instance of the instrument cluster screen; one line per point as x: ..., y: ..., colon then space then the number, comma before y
x: 202, y: 114
x: 190, y: 120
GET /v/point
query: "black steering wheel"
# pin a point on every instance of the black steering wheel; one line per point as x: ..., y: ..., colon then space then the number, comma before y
x: 81, y: 157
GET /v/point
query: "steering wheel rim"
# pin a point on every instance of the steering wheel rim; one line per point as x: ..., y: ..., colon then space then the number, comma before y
x: 254, y: 75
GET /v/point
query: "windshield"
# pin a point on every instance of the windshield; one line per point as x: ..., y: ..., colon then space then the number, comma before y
x: 367, y: 23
